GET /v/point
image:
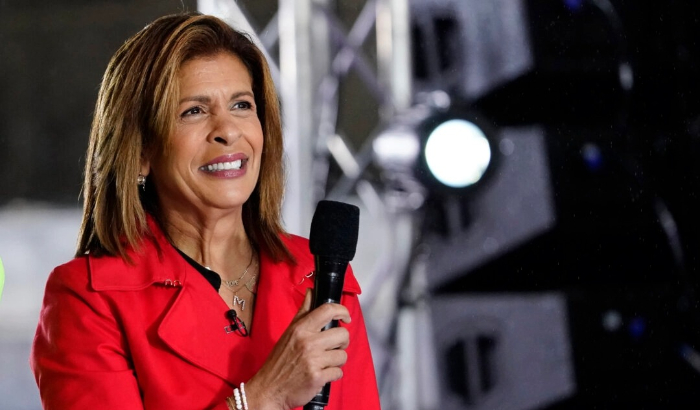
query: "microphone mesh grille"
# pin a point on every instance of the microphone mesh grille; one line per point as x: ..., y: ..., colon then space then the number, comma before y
x: 334, y: 230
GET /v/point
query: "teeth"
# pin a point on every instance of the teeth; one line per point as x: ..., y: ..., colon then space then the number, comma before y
x: 221, y: 166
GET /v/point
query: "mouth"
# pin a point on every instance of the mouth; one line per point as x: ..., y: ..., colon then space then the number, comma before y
x: 224, y: 165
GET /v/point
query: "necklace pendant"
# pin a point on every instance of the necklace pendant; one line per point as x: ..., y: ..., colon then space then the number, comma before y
x: 239, y: 301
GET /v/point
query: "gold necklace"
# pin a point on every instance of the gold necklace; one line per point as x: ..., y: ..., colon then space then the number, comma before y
x: 233, y: 283
x: 250, y: 286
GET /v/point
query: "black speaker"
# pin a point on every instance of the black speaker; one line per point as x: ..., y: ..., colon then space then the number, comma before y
x: 502, y: 352
x: 524, y: 61
x: 611, y: 255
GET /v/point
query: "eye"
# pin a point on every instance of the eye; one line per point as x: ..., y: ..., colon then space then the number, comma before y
x: 192, y: 111
x: 242, y: 105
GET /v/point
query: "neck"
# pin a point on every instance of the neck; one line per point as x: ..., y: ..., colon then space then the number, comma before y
x: 220, y: 244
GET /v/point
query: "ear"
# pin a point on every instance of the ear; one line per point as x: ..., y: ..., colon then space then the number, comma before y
x: 145, y: 166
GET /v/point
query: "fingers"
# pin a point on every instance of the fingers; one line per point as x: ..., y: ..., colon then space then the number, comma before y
x: 331, y: 339
x: 332, y: 374
x: 336, y: 338
x: 305, y: 358
x: 319, y: 317
x: 324, y: 368
x: 315, y: 364
x: 334, y: 358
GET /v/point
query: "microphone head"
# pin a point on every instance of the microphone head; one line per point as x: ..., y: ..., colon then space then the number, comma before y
x: 334, y: 230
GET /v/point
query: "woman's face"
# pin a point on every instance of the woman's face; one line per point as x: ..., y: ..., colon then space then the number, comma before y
x: 216, y: 144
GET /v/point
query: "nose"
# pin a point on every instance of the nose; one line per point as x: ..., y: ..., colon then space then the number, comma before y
x: 225, y: 130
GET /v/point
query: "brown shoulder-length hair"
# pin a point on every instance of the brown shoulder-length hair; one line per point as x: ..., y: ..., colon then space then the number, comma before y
x: 134, y: 115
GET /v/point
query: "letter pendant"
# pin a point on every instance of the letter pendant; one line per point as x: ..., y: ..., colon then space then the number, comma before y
x: 239, y: 301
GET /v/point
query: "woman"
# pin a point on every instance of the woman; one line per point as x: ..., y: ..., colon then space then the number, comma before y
x: 185, y: 292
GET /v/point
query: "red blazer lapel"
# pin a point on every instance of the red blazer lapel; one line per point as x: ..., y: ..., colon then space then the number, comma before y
x: 194, y: 328
x: 275, y: 307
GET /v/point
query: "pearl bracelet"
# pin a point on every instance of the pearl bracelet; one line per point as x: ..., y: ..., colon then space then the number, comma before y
x: 239, y: 397
x: 245, y: 402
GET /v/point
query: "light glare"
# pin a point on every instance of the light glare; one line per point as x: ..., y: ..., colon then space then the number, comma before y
x: 457, y: 153
x: 397, y: 147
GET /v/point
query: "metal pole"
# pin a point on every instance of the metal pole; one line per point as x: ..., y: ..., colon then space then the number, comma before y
x: 394, y: 54
x: 232, y: 14
x: 297, y: 95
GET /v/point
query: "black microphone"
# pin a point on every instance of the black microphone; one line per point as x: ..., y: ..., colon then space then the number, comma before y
x: 332, y: 240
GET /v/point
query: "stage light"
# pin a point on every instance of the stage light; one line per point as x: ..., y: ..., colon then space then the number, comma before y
x: 458, y: 150
x: 457, y: 153
x: 447, y: 150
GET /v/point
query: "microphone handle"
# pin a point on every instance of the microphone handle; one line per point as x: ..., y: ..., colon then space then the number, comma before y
x: 328, y: 288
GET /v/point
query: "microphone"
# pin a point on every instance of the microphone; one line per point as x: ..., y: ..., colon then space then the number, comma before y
x: 332, y: 241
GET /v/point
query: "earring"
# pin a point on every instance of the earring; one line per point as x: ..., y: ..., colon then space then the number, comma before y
x: 141, y: 181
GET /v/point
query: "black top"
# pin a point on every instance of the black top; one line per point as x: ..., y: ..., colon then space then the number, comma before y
x: 237, y: 325
x: 211, y: 276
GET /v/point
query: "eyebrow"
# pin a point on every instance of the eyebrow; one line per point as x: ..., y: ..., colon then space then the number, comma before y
x: 206, y: 100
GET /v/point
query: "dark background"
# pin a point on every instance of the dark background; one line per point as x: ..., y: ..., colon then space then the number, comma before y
x: 627, y: 231
x: 52, y: 57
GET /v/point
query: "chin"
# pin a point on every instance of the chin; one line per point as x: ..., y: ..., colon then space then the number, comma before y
x: 229, y: 203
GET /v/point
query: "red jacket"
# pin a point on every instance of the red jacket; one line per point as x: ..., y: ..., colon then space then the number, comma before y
x: 151, y: 335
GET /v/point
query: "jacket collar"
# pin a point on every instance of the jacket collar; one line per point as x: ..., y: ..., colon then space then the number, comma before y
x: 157, y: 261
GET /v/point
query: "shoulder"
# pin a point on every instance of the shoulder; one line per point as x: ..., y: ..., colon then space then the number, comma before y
x: 90, y: 272
x: 300, y: 262
x: 299, y: 248
x: 155, y: 261
x: 297, y: 241
x: 74, y: 266
x: 73, y: 273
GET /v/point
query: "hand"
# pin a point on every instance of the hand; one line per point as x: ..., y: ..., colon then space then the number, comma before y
x: 303, y: 360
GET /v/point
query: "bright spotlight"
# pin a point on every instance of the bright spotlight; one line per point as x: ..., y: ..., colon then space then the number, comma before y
x: 447, y: 150
x: 457, y: 153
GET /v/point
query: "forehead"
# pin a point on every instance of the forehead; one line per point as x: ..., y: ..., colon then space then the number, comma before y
x: 220, y: 68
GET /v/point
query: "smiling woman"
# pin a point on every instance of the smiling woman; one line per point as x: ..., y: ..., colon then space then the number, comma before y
x: 215, y: 147
x: 185, y: 292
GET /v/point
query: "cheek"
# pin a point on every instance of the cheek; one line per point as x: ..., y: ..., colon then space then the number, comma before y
x: 182, y: 151
x: 258, y: 142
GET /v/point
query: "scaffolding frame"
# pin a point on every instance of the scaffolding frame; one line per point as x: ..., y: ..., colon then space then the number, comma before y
x: 316, y: 53
x: 308, y: 74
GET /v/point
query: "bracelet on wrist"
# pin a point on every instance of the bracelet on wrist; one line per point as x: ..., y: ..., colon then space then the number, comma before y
x: 237, y: 397
x: 238, y: 401
x: 245, y: 401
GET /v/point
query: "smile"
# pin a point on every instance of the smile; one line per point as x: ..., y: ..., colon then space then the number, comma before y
x: 224, y: 166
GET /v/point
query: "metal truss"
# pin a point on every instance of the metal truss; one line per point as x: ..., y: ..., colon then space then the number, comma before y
x: 317, y: 51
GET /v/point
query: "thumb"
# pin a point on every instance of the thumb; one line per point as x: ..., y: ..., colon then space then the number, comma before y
x: 306, y: 304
